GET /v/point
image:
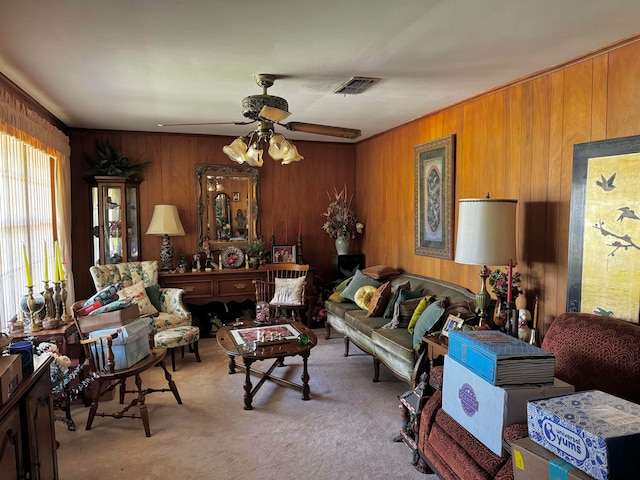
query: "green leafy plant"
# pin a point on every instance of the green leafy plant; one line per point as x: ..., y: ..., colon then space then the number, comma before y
x: 255, y: 248
x: 110, y: 162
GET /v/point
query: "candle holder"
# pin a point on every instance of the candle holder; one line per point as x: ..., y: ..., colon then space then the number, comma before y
x: 299, y: 258
x: 64, y: 318
x: 34, y: 325
x: 56, y: 299
x: 50, y: 308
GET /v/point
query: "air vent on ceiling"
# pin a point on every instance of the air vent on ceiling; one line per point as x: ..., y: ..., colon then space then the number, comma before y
x: 356, y: 85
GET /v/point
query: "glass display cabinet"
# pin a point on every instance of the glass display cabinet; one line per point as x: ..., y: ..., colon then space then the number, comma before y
x: 116, y: 220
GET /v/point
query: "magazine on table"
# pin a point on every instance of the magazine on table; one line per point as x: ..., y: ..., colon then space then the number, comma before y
x: 271, y: 332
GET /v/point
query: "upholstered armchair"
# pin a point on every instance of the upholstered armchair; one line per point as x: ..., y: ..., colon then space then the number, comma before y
x: 172, y: 326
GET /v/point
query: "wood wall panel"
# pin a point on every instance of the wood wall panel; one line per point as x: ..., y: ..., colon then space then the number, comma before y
x: 285, y: 192
x: 515, y: 141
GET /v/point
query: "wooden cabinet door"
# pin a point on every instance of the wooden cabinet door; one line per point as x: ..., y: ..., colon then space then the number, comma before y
x: 42, y: 439
x: 11, y: 466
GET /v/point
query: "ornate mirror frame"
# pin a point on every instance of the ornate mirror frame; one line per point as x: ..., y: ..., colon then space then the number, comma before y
x: 207, y: 175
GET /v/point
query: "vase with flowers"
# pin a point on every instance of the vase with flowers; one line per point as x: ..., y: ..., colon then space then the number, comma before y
x: 341, y: 222
x: 499, y: 283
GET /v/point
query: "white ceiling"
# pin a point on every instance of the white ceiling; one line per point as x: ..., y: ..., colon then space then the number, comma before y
x: 131, y: 64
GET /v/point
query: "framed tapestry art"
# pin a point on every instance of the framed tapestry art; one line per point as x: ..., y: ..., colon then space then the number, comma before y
x: 603, y: 274
x: 434, y: 197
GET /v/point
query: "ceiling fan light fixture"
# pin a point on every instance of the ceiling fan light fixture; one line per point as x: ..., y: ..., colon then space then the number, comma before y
x: 253, y: 156
x: 278, y: 146
x: 292, y: 155
x: 236, y: 150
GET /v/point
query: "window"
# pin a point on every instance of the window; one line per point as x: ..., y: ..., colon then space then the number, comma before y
x: 27, y: 218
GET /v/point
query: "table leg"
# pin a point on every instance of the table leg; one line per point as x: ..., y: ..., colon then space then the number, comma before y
x: 305, y: 377
x: 248, y: 396
x: 232, y: 364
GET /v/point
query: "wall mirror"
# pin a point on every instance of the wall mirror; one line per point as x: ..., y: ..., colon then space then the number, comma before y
x: 226, y: 206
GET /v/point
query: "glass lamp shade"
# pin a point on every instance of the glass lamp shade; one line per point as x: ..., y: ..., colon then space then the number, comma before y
x: 253, y: 156
x: 279, y: 147
x: 292, y: 155
x: 236, y: 150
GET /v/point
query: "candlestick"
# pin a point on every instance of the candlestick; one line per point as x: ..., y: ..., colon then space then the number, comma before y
x: 26, y: 266
x: 34, y: 325
x: 56, y: 270
x: 56, y: 299
x: 300, y: 225
x: 50, y: 309
x: 64, y: 318
x: 46, y: 263
x: 509, y: 280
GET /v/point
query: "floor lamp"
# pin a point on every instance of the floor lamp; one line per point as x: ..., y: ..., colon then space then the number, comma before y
x: 166, y: 222
x: 486, y: 236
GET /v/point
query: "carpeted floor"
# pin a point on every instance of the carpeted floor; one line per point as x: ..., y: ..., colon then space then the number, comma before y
x: 344, y: 432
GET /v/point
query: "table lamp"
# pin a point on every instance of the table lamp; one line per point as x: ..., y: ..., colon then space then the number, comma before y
x: 166, y: 222
x: 486, y: 236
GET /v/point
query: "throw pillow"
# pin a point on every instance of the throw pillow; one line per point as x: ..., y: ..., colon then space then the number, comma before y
x: 359, y: 280
x: 395, y: 290
x: 111, y: 307
x: 405, y: 310
x: 337, y: 292
x: 106, y: 295
x: 380, y: 272
x: 379, y: 300
x: 86, y: 310
x: 153, y: 292
x: 336, y: 297
x: 138, y: 295
x: 288, y: 291
x: 405, y: 294
x: 422, y: 306
x: 428, y: 322
x: 363, y: 296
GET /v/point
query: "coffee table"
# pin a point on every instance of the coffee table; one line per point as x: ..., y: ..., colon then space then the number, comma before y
x: 234, y: 338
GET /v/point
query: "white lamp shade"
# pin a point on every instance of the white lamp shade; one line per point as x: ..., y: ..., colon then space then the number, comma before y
x: 165, y: 221
x: 486, y: 231
x: 292, y: 155
x: 236, y: 150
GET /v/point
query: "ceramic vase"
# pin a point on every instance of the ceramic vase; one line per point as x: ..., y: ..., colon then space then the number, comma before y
x: 342, y: 245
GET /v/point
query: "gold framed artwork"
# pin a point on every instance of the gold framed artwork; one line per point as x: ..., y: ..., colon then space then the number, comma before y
x: 603, y: 271
x: 434, y: 197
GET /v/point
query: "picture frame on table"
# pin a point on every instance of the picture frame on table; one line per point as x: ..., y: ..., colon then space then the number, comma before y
x: 451, y: 323
x: 434, y: 197
x: 283, y: 254
x: 604, y: 229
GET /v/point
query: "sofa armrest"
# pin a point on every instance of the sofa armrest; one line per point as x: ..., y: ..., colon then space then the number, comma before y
x: 171, y: 302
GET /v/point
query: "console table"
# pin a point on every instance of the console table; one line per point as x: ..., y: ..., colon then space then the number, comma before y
x: 224, y: 286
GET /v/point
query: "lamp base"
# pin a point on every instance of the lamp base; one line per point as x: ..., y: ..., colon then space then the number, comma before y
x: 482, y: 297
x: 166, y: 254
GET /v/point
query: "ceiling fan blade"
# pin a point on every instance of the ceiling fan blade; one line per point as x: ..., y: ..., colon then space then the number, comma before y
x: 323, y: 129
x: 273, y: 114
x: 204, y: 123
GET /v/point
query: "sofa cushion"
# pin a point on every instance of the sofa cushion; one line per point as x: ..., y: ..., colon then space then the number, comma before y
x: 395, y: 291
x: 403, y: 295
x: 358, y: 320
x: 380, y: 272
x: 404, y: 311
x: 364, y: 295
x: 339, y: 309
x: 428, y: 322
x: 359, y: 280
x: 336, y: 295
x: 395, y: 340
x: 379, y: 300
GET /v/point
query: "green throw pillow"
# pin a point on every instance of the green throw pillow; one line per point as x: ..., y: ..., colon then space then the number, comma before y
x: 153, y: 292
x: 422, y: 306
x: 395, y: 291
x: 428, y: 322
x: 359, y: 280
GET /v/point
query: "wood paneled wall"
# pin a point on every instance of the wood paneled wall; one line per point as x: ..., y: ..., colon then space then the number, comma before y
x: 514, y: 142
x: 284, y: 192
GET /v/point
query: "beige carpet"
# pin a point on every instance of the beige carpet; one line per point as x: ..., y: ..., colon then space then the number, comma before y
x: 344, y: 432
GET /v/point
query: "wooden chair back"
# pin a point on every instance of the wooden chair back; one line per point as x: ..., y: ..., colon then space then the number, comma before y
x: 285, y: 270
x: 265, y: 289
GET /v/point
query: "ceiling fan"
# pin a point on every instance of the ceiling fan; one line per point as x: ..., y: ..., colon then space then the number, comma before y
x: 268, y: 111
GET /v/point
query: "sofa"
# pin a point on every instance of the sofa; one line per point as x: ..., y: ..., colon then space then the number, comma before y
x: 592, y: 353
x: 392, y: 347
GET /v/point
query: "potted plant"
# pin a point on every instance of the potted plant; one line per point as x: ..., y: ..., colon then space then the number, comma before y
x: 255, y: 252
x: 110, y: 162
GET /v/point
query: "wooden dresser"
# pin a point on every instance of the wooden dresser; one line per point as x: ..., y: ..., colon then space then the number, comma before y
x: 224, y: 285
x: 28, y: 441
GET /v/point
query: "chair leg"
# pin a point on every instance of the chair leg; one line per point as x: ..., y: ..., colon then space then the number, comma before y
x: 123, y: 390
x: 172, y: 384
x: 173, y: 359
x: 182, y: 351
x: 196, y: 351
x: 144, y: 414
x: 92, y: 414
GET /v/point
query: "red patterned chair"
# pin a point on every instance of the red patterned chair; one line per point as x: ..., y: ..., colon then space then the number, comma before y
x: 592, y: 352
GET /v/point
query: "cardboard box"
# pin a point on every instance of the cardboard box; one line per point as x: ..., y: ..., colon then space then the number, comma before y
x: 534, y: 462
x: 10, y: 375
x: 484, y: 409
x: 102, y: 321
x: 132, y: 343
x: 500, y: 358
x: 592, y: 430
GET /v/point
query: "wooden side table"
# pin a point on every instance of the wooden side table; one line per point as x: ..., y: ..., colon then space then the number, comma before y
x: 436, y: 346
x: 59, y: 336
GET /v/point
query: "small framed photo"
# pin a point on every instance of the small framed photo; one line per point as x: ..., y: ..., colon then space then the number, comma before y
x: 236, y: 196
x: 451, y: 323
x: 283, y: 254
